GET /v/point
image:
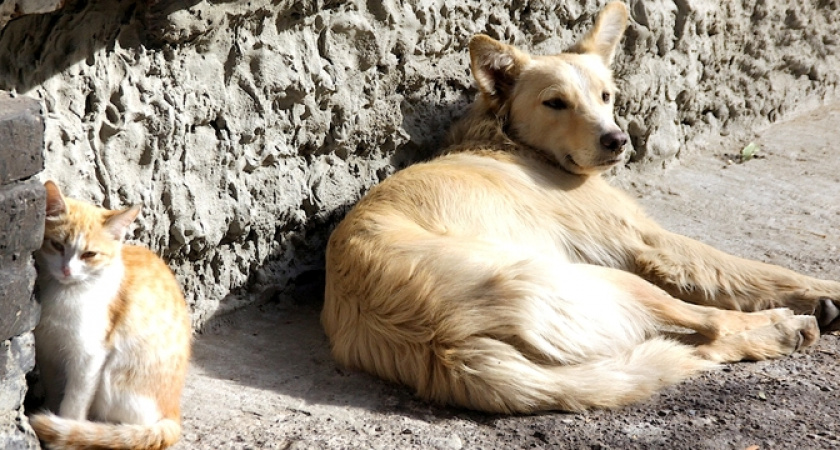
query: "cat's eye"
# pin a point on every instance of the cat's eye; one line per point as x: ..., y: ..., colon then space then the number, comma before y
x: 605, y: 96
x: 556, y: 103
x: 88, y: 255
x: 57, y: 246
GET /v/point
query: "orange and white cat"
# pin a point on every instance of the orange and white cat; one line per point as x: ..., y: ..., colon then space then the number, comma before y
x: 113, y: 343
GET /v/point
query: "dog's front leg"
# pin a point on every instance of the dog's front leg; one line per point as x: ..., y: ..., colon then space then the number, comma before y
x: 698, y: 273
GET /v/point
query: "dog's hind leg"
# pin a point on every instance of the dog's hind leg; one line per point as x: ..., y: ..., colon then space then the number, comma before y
x: 536, y: 334
x: 494, y: 327
x: 476, y: 369
x: 727, y: 335
x: 700, y: 274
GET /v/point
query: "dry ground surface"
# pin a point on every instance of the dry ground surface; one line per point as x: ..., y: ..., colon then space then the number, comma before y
x: 263, y: 377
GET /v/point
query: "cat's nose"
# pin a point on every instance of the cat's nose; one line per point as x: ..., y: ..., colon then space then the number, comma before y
x: 66, y: 271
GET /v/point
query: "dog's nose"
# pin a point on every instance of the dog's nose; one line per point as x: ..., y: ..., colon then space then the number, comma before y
x: 614, y: 140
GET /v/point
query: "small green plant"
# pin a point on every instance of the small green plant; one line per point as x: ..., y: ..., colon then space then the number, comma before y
x: 749, y: 152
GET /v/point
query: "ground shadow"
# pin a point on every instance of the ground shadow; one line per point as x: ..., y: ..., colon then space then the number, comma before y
x: 281, y: 347
x: 281, y: 350
x: 278, y: 344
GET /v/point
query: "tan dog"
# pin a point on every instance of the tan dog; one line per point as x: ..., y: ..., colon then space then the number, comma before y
x: 507, y: 276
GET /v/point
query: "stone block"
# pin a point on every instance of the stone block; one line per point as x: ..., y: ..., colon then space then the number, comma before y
x: 19, y: 312
x: 21, y: 138
x: 21, y: 231
x: 22, y: 205
x: 14, y: 437
x: 22, y: 208
x: 17, y: 357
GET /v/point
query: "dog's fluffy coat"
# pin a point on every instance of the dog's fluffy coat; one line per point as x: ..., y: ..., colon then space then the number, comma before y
x: 507, y: 276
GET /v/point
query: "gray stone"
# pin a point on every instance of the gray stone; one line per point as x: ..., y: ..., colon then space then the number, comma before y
x: 22, y: 131
x: 19, y: 312
x: 17, y: 358
x: 22, y: 210
x: 248, y: 128
x: 15, y: 433
x: 21, y: 232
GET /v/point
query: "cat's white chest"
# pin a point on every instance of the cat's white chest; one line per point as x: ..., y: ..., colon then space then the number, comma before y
x: 75, y: 318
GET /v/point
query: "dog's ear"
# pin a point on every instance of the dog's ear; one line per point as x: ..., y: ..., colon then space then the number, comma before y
x: 603, y: 38
x: 496, y: 67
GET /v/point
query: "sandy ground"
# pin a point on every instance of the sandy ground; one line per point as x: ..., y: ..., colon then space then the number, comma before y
x: 263, y: 377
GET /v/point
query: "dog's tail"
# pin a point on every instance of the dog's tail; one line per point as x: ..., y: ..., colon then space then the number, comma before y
x: 66, y: 434
x: 489, y: 375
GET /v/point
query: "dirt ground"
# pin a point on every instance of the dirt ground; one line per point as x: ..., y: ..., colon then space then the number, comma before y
x: 263, y: 377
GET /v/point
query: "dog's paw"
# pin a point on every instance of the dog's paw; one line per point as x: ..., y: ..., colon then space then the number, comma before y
x: 827, y: 313
x: 783, y: 338
x: 798, y: 332
x: 768, y: 342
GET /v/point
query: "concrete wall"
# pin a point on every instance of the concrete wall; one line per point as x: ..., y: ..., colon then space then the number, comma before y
x: 248, y: 128
x: 12, y: 9
x: 21, y: 231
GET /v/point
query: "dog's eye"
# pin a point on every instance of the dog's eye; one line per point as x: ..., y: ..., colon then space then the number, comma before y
x: 605, y: 96
x: 556, y: 103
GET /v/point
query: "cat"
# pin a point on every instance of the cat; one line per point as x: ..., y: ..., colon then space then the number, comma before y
x: 113, y: 343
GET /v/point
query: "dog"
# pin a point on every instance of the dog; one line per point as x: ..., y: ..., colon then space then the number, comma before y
x: 507, y: 276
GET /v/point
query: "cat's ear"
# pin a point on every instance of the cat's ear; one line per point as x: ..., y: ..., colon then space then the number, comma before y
x: 118, y: 222
x: 55, y: 201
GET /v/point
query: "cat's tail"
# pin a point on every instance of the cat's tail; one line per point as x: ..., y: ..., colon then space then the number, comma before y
x: 67, y: 434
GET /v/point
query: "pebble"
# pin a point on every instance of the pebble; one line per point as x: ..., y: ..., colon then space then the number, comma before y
x: 452, y: 442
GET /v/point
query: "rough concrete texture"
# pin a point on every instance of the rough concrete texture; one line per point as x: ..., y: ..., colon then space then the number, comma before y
x: 263, y: 378
x: 11, y: 9
x: 247, y: 128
